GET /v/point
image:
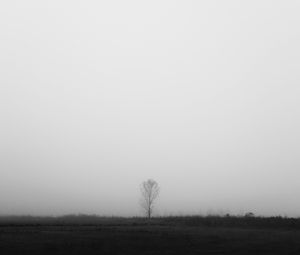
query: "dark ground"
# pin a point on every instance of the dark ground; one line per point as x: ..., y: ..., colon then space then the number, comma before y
x: 175, y: 235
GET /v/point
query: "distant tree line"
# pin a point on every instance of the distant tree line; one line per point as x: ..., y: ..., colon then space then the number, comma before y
x: 277, y: 222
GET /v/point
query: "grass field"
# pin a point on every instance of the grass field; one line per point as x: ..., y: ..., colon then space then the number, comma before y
x: 170, y: 235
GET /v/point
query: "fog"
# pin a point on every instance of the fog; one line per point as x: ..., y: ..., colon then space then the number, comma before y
x: 98, y: 96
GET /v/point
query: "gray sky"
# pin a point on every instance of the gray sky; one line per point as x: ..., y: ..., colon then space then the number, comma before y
x: 97, y: 96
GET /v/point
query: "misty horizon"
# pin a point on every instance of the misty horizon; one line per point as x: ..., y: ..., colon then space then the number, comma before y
x: 201, y: 96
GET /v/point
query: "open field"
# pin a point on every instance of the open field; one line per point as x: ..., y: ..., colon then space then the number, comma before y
x: 170, y: 235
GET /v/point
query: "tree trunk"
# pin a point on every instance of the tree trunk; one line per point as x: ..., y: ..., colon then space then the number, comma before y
x: 149, y: 212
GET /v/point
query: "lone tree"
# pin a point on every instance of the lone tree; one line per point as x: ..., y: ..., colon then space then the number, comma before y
x: 150, y: 191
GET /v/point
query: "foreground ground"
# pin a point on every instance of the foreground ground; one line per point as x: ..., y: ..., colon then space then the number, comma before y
x: 143, y: 237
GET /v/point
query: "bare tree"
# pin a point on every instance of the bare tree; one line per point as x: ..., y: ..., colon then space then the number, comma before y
x: 150, y: 191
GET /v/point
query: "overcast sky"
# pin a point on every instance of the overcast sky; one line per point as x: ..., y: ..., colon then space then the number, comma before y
x: 98, y: 96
